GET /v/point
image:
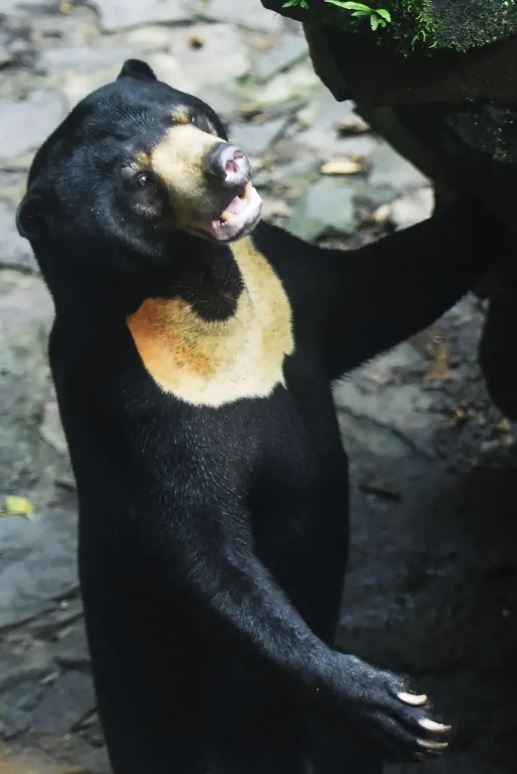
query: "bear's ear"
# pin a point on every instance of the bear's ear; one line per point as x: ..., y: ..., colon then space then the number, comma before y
x: 135, y: 68
x: 31, y: 215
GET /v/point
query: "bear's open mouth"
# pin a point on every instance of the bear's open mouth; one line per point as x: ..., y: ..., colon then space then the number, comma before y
x: 239, y: 218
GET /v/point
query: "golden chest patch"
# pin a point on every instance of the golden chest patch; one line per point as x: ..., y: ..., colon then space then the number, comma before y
x: 212, y: 363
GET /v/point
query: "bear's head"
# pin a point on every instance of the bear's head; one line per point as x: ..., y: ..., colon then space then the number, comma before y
x: 137, y: 167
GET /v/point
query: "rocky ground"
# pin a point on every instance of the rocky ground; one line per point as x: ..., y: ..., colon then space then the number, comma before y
x: 432, y: 588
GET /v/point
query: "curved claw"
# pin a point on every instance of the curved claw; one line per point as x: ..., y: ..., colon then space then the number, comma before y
x: 412, y: 699
x: 432, y: 746
x: 431, y: 725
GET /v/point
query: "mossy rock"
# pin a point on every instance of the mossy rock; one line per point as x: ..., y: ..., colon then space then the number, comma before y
x: 433, y: 24
x: 464, y: 24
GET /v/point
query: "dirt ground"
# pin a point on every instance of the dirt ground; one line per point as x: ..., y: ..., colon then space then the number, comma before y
x: 432, y: 586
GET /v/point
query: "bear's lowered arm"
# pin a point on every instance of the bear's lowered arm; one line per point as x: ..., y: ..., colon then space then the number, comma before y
x: 205, y: 554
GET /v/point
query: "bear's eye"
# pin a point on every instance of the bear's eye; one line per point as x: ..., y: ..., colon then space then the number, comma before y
x: 143, y: 179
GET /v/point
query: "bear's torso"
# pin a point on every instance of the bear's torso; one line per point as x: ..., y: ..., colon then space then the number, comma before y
x: 273, y: 453
x: 245, y: 402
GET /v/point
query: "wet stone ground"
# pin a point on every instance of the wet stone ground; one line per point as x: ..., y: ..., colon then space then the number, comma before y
x: 432, y: 587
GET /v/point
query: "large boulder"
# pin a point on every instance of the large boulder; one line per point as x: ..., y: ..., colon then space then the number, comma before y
x: 447, y: 100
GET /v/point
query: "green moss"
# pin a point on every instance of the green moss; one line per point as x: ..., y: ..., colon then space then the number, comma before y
x: 456, y: 24
x: 431, y: 24
x: 412, y: 22
x: 464, y: 24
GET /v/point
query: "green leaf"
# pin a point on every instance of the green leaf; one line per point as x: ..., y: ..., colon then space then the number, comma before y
x: 296, y: 4
x: 18, y: 506
x: 361, y: 13
x: 351, y: 6
x: 385, y: 14
x: 374, y: 22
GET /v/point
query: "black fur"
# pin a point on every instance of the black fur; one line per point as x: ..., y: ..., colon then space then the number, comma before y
x: 213, y: 541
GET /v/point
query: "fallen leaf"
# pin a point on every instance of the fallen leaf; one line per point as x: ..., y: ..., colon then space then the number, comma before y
x: 249, y: 109
x: 353, y: 125
x: 195, y: 41
x: 341, y: 167
x: 382, y: 214
x: 439, y: 369
x: 65, y: 6
x: 379, y: 217
x: 17, y: 506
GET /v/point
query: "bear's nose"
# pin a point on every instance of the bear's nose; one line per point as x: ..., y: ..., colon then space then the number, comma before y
x: 229, y: 165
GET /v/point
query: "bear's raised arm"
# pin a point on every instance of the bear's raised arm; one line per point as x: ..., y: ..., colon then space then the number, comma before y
x: 367, y: 300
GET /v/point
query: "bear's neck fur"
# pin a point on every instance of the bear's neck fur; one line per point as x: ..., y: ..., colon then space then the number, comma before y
x: 211, y: 362
x: 204, y: 275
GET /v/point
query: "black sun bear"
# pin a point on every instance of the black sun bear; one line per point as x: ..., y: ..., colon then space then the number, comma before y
x: 193, y: 352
